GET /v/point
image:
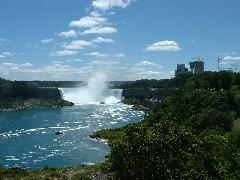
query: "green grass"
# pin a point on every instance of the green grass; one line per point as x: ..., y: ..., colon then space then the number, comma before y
x: 109, y: 134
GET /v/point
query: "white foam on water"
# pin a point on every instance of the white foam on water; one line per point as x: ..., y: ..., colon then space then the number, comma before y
x: 59, y: 127
x: 112, y: 100
x: 113, y: 122
x: 88, y: 163
x: 11, y: 158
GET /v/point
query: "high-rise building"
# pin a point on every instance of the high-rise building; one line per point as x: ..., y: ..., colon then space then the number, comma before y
x: 196, y: 67
x: 181, y: 69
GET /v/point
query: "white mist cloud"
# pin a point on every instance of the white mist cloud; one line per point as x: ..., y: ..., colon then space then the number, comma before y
x: 78, y: 44
x: 97, y: 54
x: 67, y: 34
x: 163, y: 46
x: 228, y: 60
x: 231, y: 58
x: 5, y: 54
x: 89, y: 21
x: 109, y: 4
x: 2, y: 40
x: 65, y: 53
x: 100, y: 30
x: 44, y: 41
x: 14, y: 65
x: 74, y: 60
x: 146, y: 63
x: 136, y: 72
x: 223, y: 63
x: 102, y: 40
x: 120, y: 55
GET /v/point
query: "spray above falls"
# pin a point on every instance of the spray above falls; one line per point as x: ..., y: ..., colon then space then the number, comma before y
x: 95, y: 91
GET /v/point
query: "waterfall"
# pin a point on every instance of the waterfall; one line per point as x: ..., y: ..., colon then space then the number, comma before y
x: 95, y: 91
x: 82, y: 96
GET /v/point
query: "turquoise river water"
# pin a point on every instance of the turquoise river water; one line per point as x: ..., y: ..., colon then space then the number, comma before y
x: 28, y: 139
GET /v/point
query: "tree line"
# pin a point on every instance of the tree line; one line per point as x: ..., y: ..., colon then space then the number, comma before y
x: 24, y: 90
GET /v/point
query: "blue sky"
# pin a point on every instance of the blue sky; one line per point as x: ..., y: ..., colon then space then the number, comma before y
x: 125, y: 39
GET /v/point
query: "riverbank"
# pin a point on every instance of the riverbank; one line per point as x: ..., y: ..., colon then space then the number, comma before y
x: 23, y: 104
x: 144, y: 99
x: 86, y: 172
x: 140, y: 104
x: 18, y: 95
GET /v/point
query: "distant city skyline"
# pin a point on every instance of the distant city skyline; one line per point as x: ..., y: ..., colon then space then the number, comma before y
x: 125, y: 39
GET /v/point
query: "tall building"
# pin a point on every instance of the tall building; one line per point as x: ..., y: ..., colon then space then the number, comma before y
x: 181, y: 69
x: 196, y: 67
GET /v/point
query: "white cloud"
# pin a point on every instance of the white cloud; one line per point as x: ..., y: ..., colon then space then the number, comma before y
x: 74, y: 60
x: 104, y: 63
x: 231, y: 58
x: 120, y: 55
x: 44, y: 41
x: 97, y: 54
x: 64, y: 53
x: 26, y: 65
x: 229, y: 54
x: 136, y: 72
x: 67, y: 34
x: 1, y: 41
x: 146, y: 63
x: 78, y: 44
x: 14, y: 66
x: 227, y: 60
x: 4, y: 40
x: 52, y: 71
x: 95, y: 14
x: 108, y: 4
x: 163, y: 46
x: 89, y: 21
x: 82, y: 44
x: 111, y: 13
x: 5, y: 54
x: 223, y: 63
x: 59, y: 70
x: 9, y: 64
x: 102, y: 40
x: 100, y: 30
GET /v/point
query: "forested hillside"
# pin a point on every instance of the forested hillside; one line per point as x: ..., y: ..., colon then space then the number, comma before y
x: 16, y: 95
x: 194, y: 134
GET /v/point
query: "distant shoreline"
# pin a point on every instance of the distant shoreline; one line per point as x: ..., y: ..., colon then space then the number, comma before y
x: 13, y: 105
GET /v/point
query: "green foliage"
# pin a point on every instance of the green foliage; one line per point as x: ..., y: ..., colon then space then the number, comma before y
x: 153, y: 83
x: 109, y: 134
x: 14, y: 173
x: 192, y: 135
x: 171, y: 151
x: 23, y: 90
x: 15, y: 95
x: 206, y: 80
x: 198, y: 109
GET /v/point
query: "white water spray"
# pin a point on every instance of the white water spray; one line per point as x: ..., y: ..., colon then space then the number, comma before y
x: 95, y: 92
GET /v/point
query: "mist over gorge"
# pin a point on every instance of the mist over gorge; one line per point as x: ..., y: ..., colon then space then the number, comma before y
x: 95, y: 91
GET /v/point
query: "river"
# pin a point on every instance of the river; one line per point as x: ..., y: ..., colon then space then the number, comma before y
x: 28, y: 138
